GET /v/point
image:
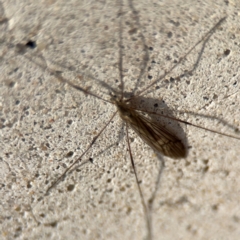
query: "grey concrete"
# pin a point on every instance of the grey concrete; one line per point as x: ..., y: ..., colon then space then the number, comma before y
x: 46, y: 125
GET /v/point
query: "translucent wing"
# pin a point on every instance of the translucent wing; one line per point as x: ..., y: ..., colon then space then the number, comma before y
x: 154, y: 134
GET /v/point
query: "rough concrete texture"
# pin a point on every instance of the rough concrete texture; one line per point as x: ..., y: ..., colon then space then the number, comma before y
x: 46, y: 124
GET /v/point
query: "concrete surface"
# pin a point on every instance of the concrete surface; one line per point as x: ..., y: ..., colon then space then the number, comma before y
x: 46, y: 125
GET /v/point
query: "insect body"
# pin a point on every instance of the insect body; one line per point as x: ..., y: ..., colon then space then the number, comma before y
x: 154, y: 134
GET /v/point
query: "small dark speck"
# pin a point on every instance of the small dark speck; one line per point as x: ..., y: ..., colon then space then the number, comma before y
x: 69, y: 154
x: 169, y: 34
x: 69, y: 122
x: 215, y: 207
x: 227, y: 52
x: 205, y: 169
x: 171, y: 79
x: 17, y: 102
x: 205, y: 98
x: 149, y: 77
x: 29, y: 185
x: 132, y: 31
x: 31, y: 44
x: 70, y: 187
x: 57, y: 91
x: 11, y: 84
x: 226, y: 2
x: 182, y: 75
x: 150, y: 48
x: 18, y: 229
x: 168, y: 58
x: 155, y: 105
x: 42, y: 215
x: 235, y: 83
x: 176, y: 24
x: 153, y: 61
x: 52, y: 224
x: 206, y: 161
x: 3, y: 20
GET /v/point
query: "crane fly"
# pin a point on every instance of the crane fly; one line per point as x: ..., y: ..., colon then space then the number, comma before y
x: 153, y: 133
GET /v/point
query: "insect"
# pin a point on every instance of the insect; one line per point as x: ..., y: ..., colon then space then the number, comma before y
x: 104, y: 170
